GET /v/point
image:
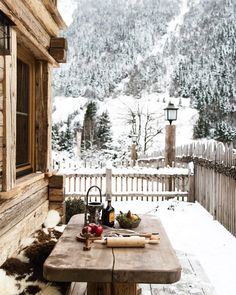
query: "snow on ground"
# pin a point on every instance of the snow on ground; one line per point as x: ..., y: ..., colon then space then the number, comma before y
x: 192, y: 230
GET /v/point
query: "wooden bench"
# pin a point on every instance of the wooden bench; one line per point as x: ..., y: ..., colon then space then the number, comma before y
x: 77, y: 288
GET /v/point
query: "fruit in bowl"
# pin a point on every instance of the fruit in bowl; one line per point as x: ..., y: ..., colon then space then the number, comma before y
x: 128, y: 220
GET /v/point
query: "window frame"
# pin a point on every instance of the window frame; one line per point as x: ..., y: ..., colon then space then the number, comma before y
x: 25, y: 57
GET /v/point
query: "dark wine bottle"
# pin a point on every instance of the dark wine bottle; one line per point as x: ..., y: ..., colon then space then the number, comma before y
x: 108, y: 215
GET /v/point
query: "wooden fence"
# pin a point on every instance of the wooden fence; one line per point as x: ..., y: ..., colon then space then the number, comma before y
x: 214, y: 178
x: 130, y: 185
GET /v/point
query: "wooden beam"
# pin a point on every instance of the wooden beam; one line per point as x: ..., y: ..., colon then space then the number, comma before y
x: 29, y: 41
x: 9, y: 118
x: 51, y: 7
x: 43, y: 15
x: 22, y: 13
x: 43, y: 122
x: 59, y: 54
x: 59, y: 42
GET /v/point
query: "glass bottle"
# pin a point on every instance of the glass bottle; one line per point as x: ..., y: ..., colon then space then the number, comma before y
x: 108, y: 215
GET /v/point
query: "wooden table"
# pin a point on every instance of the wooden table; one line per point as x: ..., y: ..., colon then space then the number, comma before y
x: 112, y: 271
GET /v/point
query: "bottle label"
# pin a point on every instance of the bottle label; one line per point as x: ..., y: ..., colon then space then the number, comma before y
x: 111, y: 217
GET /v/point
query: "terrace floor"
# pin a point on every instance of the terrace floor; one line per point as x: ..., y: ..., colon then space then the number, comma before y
x: 206, y: 250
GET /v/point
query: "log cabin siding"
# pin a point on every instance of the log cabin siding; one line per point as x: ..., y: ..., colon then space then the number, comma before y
x: 1, y: 114
x: 24, y: 202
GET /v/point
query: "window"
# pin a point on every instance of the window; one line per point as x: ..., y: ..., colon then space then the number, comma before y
x: 24, y: 115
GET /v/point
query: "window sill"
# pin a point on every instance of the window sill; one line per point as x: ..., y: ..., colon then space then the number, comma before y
x: 22, y: 184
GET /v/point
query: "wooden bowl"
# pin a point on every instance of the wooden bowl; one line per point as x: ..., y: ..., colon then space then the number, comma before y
x: 127, y: 222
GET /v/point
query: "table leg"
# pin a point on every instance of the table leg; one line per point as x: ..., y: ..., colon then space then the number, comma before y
x: 99, y: 289
x: 112, y: 289
x: 124, y: 288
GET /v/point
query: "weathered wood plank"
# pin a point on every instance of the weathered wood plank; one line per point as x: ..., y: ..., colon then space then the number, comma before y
x: 100, y: 288
x: 42, y: 14
x: 9, y: 117
x: 29, y: 21
x: 59, y: 43
x: 25, y: 186
x: 25, y: 38
x: 11, y: 240
x: 55, y: 14
x: 57, y: 181
x: 193, y: 279
x: 43, y: 122
x: 16, y: 213
x: 59, y: 54
x: 77, y: 289
x: 151, y: 264
x: 56, y: 195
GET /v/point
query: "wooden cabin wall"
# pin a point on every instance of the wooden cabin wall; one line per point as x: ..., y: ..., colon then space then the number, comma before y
x: 1, y: 114
x: 23, y: 213
x: 24, y: 201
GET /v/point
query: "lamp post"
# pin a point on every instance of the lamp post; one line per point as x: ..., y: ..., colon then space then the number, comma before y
x: 133, y: 149
x: 170, y: 115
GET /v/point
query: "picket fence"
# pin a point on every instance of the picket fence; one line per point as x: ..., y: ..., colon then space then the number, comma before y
x: 126, y: 185
x: 215, y: 178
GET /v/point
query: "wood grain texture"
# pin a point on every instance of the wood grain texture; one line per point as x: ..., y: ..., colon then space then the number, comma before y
x: 20, y: 210
x: 152, y: 264
x: 155, y: 263
x: 127, y: 289
x: 170, y: 140
x: 57, y: 181
x: 11, y: 240
x: 77, y: 289
x: 99, y: 288
x: 30, y: 22
x: 56, y: 195
x: 24, y: 37
x: 25, y: 186
x: 43, y: 117
x: 55, y: 14
x: 42, y: 14
x: 9, y: 119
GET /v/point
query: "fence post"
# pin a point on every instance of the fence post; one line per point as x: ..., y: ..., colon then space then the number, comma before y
x: 191, y: 193
x: 108, y: 182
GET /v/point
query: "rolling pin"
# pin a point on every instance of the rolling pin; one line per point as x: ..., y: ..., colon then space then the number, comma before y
x: 126, y: 242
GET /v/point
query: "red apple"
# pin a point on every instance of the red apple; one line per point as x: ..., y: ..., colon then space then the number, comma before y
x: 93, y: 227
x: 98, y: 230
x: 87, y: 229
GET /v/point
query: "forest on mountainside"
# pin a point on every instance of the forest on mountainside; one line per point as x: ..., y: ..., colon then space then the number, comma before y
x: 114, y: 49
x: 206, y: 71
x: 107, y: 39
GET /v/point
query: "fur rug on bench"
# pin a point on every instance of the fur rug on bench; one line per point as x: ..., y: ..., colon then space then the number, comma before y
x: 22, y: 274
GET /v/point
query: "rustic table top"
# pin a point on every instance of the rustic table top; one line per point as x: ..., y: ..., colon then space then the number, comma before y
x: 156, y: 263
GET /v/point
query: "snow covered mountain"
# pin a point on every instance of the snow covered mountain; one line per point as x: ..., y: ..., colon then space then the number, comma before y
x: 142, y: 53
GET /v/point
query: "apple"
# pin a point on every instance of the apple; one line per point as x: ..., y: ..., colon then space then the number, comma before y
x: 98, y: 230
x: 87, y: 229
x: 93, y: 227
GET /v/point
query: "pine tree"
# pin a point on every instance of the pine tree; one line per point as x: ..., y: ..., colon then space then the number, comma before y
x: 89, y: 126
x: 66, y: 140
x: 103, y: 135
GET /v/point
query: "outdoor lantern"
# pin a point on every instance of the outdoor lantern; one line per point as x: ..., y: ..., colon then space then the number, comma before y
x: 171, y: 112
x: 5, y: 34
x: 134, y: 137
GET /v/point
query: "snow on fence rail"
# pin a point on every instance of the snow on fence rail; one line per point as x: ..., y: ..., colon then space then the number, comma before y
x: 129, y: 184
